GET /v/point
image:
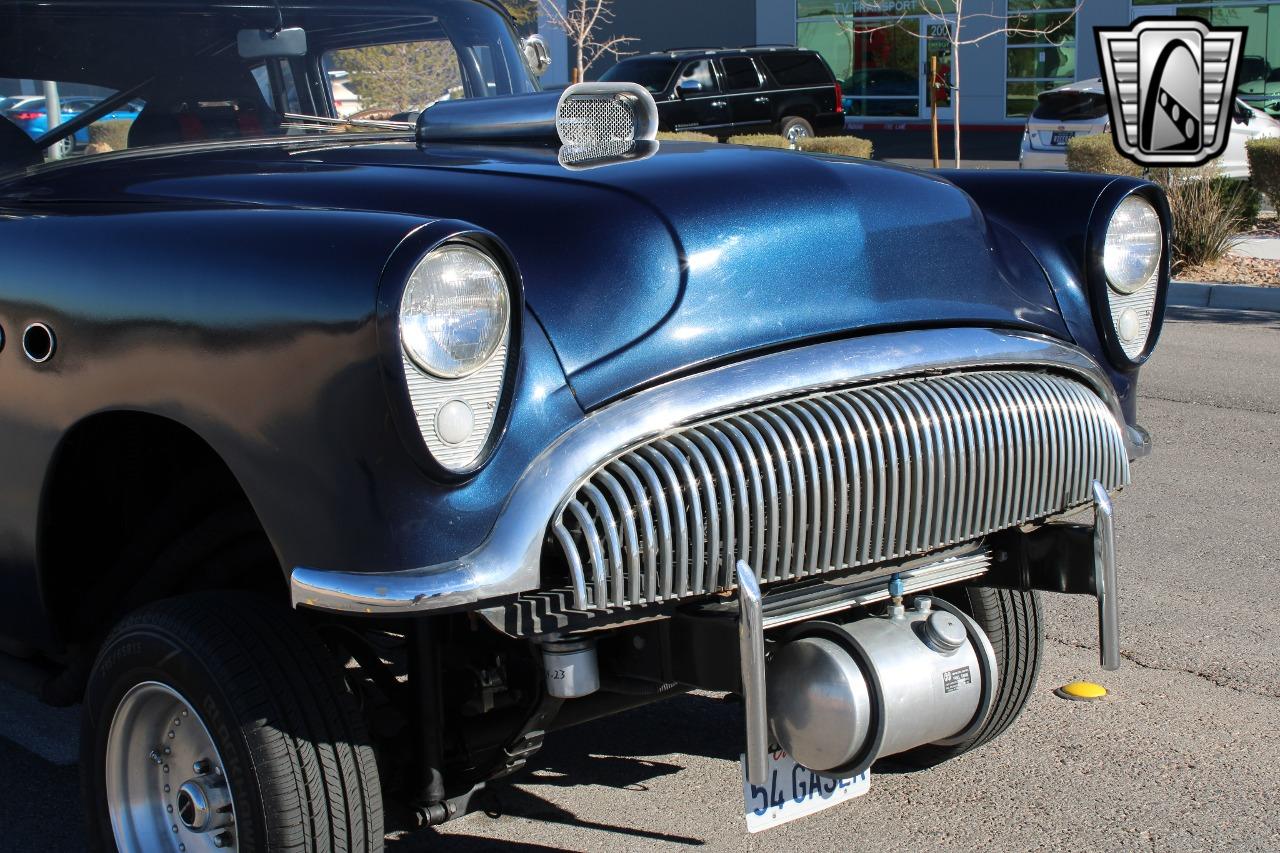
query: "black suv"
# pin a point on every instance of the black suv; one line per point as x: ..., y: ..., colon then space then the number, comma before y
x: 741, y: 90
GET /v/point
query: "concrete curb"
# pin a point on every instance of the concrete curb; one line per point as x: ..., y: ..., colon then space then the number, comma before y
x: 1192, y: 294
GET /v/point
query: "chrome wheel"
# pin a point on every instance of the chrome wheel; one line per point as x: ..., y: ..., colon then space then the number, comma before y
x: 164, y: 781
x: 797, y: 132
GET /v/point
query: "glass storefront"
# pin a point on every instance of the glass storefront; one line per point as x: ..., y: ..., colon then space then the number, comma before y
x: 1260, y: 70
x: 1040, y: 52
x: 880, y: 50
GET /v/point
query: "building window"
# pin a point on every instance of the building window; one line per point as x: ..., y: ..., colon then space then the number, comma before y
x: 1260, y: 68
x: 878, y: 50
x: 1036, y: 63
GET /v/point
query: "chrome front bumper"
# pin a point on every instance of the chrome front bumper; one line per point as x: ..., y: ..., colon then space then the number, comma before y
x: 508, y: 562
x: 753, y: 621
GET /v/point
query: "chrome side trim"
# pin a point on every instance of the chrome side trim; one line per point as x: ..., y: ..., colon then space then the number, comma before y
x: 508, y: 561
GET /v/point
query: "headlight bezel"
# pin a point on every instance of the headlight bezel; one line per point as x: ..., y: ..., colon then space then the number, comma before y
x: 1102, y: 293
x: 396, y: 362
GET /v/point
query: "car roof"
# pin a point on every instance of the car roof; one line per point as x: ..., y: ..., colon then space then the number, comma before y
x: 1092, y: 86
x: 756, y: 50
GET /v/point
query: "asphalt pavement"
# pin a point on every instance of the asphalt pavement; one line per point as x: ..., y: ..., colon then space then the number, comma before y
x: 1182, y: 756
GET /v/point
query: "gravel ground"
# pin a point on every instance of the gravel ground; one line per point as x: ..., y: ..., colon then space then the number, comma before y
x: 1235, y: 269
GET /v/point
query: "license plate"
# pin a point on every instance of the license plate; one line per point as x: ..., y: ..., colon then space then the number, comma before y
x: 1060, y: 137
x: 791, y: 791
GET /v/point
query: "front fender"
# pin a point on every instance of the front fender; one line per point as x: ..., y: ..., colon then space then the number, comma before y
x: 1055, y: 215
x: 256, y: 329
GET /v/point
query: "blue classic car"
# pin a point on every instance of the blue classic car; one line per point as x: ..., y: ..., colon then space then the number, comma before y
x: 346, y: 461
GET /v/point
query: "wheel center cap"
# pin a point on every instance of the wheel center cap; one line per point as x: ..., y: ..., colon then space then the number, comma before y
x: 193, y: 806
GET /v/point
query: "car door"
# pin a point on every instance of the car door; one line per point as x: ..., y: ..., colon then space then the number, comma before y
x: 697, y: 102
x: 743, y: 84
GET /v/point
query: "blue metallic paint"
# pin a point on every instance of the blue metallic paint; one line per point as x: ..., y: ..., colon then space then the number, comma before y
x: 671, y: 245
x: 233, y: 289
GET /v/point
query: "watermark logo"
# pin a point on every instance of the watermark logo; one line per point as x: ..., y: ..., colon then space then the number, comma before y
x: 1170, y: 84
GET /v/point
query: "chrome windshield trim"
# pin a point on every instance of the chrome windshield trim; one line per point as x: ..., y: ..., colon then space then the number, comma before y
x: 507, y: 562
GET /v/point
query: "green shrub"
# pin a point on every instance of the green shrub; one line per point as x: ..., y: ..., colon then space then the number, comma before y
x: 1239, y: 193
x: 849, y: 146
x: 1264, y: 167
x: 761, y: 140
x: 1206, y: 220
x: 1097, y: 153
x: 686, y: 136
x: 114, y: 134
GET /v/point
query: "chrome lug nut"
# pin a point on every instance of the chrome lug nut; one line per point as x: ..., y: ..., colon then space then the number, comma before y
x: 156, y: 757
x: 222, y: 839
x: 202, y: 766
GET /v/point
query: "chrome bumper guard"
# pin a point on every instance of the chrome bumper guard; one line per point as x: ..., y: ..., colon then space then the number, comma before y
x: 508, y: 561
x: 1104, y: 579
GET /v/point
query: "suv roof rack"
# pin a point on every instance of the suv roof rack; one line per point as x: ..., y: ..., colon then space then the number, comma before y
x: 673, y: 51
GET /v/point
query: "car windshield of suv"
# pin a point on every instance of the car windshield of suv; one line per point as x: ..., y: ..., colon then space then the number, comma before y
x: 155, y: 72
x: 653, y: 74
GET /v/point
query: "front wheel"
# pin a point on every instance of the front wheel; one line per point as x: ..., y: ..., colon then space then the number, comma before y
x: 220, y: 722
x: 795, y: 128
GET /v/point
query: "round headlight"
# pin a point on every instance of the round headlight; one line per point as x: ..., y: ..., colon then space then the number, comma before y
x: 1134, y: 242
x: 454, y: 312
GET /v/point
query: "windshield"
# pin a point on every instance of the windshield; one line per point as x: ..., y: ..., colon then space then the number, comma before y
x: 156, y: 72
x: 653, y: 74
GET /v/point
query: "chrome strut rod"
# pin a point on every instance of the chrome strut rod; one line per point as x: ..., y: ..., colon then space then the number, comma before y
x: 751, y: 656
x: 1104, y: 578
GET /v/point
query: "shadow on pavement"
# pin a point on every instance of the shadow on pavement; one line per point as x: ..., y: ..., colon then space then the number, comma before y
x: 1224, y: 316
x: 425, y: 841
x: 40, y: 809
x: 621, y: 752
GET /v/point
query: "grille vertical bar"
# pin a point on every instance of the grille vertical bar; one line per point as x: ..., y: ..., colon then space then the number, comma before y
x: 835, y: 480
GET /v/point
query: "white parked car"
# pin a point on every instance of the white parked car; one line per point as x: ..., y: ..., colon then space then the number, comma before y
x: 1080, y: 109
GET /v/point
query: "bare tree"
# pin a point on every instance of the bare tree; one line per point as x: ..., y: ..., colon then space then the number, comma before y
x: 960, y: 28
x: 402, y: 76
x: 580, y: 20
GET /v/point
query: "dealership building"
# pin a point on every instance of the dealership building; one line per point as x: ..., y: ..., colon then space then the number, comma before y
x: 881, y: 50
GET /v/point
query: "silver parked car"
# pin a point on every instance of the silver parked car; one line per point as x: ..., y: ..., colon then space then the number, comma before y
x: 1080, y: 109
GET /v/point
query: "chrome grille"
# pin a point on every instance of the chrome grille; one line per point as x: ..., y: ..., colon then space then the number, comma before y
x: 839, y: 479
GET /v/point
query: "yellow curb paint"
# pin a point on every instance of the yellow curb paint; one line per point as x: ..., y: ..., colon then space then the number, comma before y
x: 1081, y: 691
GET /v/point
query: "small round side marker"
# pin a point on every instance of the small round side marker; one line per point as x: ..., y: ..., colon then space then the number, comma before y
x: 1081, y: 691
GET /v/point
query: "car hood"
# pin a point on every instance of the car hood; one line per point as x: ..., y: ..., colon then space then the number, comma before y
x: 643, y: 270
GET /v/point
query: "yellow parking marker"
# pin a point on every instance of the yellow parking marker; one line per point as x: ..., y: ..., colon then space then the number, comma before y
x: 1081, y: 691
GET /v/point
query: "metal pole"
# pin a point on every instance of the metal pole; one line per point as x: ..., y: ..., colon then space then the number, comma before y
x: 933, y: 107
x: 53, y: 109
